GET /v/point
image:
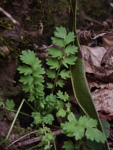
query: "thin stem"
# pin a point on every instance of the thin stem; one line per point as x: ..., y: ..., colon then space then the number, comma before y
x: 30, y: 106
x: 11, y: 127
x: 15, y: 119
x: 23, y: 113
x: 54, y: 143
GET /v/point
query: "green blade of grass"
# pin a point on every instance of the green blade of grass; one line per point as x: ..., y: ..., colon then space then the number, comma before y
x: 78, y: 78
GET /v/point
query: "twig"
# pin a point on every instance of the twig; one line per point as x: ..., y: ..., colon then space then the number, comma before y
x: 23, y: 137
x: 34, y: 140
x: 106, y: 56
x: 9, y: 16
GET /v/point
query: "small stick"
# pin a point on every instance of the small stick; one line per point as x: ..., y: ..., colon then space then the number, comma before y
x: 34, y: 140
x: 106, y: 56
x: 9, y: 16
x: 23, y: 137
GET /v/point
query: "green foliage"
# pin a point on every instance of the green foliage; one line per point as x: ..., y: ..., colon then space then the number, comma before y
x: 65, y: 74
x: 38, y: 118
x: 10, y: 104
x: 83, y: 127
x: 62, y: 54
x: 48, y: 119
x: 47, y: 138
x: 49, y: 103
x: 63, y: 105
x: 95, y: 134
x: 64, y: 97
x: 32, y: 78
x: 61, y: 113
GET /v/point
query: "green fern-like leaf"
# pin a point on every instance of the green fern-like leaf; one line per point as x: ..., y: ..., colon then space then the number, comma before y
x: 50, y: 102
x: 32, y: 75
x: 61, y: 54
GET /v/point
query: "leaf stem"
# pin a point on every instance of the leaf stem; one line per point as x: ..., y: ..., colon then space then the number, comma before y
x: 54, y: 143
x: 30, y: 106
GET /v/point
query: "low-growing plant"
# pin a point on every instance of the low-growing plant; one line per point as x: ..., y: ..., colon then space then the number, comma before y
x: 46, y: 106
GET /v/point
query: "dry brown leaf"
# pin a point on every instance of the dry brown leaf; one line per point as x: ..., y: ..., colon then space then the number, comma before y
x: 103, y: 99
x: 92, y: 58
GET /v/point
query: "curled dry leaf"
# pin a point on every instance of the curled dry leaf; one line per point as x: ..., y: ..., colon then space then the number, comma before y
x: 103, y: 98
x: 92, y: 58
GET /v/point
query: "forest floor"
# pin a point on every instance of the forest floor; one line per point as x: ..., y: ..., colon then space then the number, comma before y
x: 96, y: 40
